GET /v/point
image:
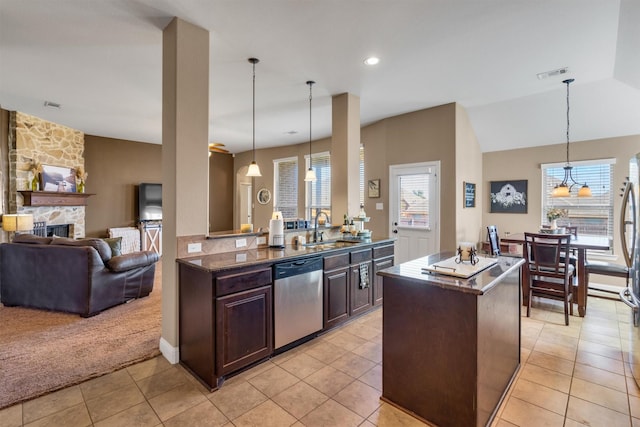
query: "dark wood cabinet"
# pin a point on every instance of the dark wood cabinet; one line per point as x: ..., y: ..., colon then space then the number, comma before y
x: 361, y: 295
x: 244, y: 329
x: 226, y: 320
x: 226, y: 312
x: 336, y: 296
x: 378, y: 265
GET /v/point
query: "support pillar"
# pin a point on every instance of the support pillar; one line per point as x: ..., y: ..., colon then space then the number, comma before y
x: 185, y: 160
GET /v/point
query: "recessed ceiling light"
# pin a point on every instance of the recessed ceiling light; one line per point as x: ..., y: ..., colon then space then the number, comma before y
x: 372, y: 60
x: 552, y: 73
x: 52, y: 104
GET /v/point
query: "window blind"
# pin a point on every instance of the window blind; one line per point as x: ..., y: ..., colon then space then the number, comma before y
x: 592, y: 215
x: 285, y: 184
x: 318, y: 193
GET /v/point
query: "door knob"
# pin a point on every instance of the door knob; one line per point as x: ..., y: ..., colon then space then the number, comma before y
x: 395, y: 231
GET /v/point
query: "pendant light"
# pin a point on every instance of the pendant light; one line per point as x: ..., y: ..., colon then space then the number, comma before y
x: 564, y: 188
x: 254, y: 170
x: 311, y: 174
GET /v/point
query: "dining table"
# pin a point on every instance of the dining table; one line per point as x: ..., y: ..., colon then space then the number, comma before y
x: 581, y: 244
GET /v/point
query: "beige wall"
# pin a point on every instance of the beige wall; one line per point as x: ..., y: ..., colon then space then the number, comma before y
x: 220, y: 192
x: 265, y: 158
x: 421, y: 136
x: 468, y: 169
x: 525, y: 164
x: 115, y: 169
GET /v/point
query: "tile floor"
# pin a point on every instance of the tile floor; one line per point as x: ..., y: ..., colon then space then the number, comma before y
x: 570, y: 376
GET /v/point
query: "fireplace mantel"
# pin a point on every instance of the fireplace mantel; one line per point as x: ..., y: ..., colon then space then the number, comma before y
x: 54, y: 198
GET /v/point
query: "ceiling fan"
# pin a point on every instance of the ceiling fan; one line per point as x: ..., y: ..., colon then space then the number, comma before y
x: 216, y: 147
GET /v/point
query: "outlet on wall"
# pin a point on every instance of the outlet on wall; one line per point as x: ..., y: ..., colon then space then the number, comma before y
x: 194, y: 247
x: 241, y: 243
x: 261, y: 240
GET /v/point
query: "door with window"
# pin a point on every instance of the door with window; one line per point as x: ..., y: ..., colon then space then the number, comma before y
x: 414, y: 206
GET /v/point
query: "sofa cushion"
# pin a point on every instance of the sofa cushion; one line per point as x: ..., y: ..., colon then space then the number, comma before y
x: 133, y: 260
x: 98, y: 244
x: 32, y: 239
x: 115, y: 243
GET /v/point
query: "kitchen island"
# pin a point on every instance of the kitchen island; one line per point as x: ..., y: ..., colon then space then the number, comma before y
x: 229, y: 307
x: 450, y: 345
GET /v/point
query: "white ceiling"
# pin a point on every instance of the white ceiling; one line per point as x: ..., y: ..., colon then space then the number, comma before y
x: 101, y: 59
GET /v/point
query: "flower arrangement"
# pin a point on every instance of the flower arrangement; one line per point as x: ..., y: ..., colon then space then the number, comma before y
x: 81, y: 177
x: 555, y: 213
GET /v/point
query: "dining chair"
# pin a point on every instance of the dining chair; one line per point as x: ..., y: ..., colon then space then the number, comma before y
x: 494, y: 240
x: 550, y: 275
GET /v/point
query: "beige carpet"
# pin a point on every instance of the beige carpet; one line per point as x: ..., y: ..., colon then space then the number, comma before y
x: 42, y: 351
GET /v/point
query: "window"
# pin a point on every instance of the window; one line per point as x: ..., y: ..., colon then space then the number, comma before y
x: 318, y: 193
x: 592, y: 215
x: 285, y: 184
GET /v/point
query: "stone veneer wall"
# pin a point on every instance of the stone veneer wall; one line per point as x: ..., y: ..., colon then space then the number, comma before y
x: 33, y: 140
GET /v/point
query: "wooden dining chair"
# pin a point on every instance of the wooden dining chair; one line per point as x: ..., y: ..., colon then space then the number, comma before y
x: 550, y: 274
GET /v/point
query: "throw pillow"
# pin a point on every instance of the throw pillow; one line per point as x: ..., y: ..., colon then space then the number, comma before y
x: 115, y: 243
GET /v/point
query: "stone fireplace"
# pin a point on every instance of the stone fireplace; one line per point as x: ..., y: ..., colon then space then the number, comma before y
x: 36, y: 141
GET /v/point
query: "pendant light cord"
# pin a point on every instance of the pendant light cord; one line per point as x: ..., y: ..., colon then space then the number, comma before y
x: 568, y: 82
x: 254, y: 107
x: 310, y: 83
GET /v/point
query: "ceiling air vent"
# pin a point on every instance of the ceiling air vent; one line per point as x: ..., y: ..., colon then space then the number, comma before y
x: 553, y: 73
x: 52, y: 104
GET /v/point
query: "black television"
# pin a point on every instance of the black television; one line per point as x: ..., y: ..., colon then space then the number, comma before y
x: 149, y: 201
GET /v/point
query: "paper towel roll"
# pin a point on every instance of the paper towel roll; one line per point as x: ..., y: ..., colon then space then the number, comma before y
x: 276, y: 232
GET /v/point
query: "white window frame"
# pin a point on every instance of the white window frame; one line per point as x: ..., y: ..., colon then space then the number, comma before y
x: 581, y: 205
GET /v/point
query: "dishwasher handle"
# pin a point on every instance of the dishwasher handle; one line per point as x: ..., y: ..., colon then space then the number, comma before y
x: 294, y: 268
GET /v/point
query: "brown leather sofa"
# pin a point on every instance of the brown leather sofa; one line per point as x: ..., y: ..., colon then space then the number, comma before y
x: 75, y: 276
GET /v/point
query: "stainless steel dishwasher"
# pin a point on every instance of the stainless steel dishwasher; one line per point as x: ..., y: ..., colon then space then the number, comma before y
x: 297, y: 300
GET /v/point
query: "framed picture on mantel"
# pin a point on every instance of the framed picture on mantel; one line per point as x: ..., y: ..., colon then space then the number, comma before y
x: 58, y: 178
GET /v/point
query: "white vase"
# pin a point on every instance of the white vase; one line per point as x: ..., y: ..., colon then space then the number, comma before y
x: 554, y: 224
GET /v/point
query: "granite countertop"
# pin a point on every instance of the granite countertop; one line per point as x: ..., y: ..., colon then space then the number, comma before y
x: 229, y: 260
x: 478, y: 284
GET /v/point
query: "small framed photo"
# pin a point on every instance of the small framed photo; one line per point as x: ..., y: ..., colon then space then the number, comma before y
x: 374, y: 188
x: 469, y: 195
x: 509, y: 196
x: 263, y: 196
x: 58, y: 178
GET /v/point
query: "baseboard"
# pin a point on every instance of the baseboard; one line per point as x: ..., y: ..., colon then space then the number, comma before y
x: 171, y: 353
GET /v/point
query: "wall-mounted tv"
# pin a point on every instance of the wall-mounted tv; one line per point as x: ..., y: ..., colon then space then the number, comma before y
x: 149, y: 201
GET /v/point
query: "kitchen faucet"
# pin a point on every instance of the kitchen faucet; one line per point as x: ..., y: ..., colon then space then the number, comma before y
x: 315, y: 231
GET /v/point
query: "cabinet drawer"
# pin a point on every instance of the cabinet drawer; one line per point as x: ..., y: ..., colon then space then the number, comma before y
x: 336, y: 261
x: 238, y: 282
x: 382, y: 251
x: 360, y: 256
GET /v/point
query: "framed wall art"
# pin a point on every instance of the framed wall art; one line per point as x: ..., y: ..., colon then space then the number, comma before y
x: 469, y: 195
x: 263, y: 196
x: 374, y: 188
x: 508, y: 196
x: 58, y: 178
